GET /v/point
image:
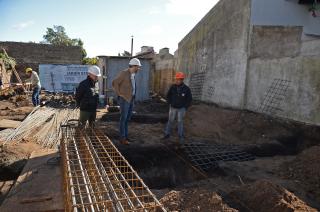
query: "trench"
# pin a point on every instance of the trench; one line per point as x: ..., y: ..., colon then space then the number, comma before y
x: 161, y: 169
x: 158, y: 167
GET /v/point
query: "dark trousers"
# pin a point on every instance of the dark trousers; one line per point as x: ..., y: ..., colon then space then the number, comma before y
x: 87, y: 116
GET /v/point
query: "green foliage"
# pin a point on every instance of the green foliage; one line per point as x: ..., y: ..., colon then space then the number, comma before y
x: 58, y: 36
x: 9, y: 62
x: 90, y: 61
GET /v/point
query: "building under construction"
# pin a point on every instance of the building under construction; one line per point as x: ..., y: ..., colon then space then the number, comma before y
x: 252, y: 132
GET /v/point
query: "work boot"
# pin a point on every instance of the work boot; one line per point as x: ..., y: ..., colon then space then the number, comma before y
x: 166, y: 137
x: 129, y: 140
x: 124, y: 142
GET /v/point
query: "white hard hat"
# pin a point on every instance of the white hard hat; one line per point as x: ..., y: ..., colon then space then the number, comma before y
x: 135, y: 62
x: 95, y: 70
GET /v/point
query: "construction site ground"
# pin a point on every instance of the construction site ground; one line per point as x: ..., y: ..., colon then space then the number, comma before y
x: 284, y: 176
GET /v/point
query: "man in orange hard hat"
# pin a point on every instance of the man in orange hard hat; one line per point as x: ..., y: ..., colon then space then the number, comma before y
x: 179, y: 98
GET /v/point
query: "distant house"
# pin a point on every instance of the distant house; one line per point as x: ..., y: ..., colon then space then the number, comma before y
x: 112, y: 65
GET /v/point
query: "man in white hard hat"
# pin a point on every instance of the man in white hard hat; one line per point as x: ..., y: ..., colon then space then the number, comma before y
x: 124, y: 86
x: 87, y: 96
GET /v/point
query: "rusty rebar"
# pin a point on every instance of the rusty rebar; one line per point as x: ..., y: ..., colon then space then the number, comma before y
x: 98, y: 178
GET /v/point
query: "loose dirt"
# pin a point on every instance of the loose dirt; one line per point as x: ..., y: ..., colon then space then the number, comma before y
x: 13, y: 157
x: 194, y: 200
x: 264, y: 196
x: 283, y: 177
x: 305, y: 170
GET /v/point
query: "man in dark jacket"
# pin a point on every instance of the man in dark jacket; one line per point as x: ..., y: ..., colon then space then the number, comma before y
x: 179, y: 98
x: 87, y: 96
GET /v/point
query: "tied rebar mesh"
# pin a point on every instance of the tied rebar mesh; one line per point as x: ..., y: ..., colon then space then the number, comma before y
x: 98, y: 178
x: 196, y: 84
x: 274, y: 96
x: 207, y: 156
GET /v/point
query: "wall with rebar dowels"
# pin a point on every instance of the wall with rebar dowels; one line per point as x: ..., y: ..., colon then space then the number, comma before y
x: 270, y: 69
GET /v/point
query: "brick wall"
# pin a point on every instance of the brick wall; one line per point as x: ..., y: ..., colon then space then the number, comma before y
x: 33, y: 54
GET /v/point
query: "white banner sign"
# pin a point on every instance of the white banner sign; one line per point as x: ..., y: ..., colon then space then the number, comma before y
x: 62, y: 78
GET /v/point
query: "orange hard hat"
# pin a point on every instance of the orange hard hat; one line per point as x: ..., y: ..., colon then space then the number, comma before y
x: 180, y: 75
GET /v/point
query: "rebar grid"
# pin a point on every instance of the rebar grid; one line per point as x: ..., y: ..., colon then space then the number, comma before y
x: 196, y: 84
x: 274, y: 96
x: 207, y: 156
x: 98, y: 177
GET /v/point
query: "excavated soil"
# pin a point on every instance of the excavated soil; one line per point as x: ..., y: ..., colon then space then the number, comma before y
x: 305, y: 170
x: 194, y: 200
x: 15, y: 108
x: 276, y: 143
x: 283, y: 177
x: 13, y: 157
x: 264, y: 196
x: 243, y: 127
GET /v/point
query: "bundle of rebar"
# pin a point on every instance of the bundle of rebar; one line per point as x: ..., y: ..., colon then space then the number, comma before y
x: 98, y: 178
x: 42, y: 126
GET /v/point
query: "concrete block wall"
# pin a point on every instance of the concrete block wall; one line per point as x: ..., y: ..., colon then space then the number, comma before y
x: 271, y: 69
x: 214, y: 54
x: 281, y: 57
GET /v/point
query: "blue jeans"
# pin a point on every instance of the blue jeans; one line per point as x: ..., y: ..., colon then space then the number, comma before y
x: 173, y: 112
x: 35, y: 96
x: 125, y: 116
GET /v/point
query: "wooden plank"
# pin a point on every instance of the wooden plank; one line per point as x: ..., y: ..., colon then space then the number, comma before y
x: 39, y: 186
x: 5, y: 187
x: 7, y: 123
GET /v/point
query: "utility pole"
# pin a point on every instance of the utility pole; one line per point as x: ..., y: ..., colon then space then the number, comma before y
x: 131, y: 45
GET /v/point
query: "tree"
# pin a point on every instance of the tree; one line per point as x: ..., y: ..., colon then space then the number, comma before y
x: 90, y: 61
x: 58, y: 36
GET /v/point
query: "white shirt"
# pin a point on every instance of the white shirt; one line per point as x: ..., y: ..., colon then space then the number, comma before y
x: 133, y: 83
x: 35, y: 81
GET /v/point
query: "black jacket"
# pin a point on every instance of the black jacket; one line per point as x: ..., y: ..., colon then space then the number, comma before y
x: 87, y: 95
x: 179, y: 96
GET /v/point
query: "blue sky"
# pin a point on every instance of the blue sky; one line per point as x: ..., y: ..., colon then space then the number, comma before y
x: 105, y: 26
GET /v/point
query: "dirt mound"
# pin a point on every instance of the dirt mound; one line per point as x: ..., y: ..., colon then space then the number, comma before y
x: 266, y: 196
x: 194, y: 200
x: 306, y: 170
x: 231, y: 126
x: 244, y: 127
x: 13, y: 157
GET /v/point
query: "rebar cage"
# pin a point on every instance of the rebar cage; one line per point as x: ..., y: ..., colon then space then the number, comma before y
x: 97, y: 177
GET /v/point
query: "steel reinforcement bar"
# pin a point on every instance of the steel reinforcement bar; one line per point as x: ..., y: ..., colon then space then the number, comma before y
x: 98, y: 178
